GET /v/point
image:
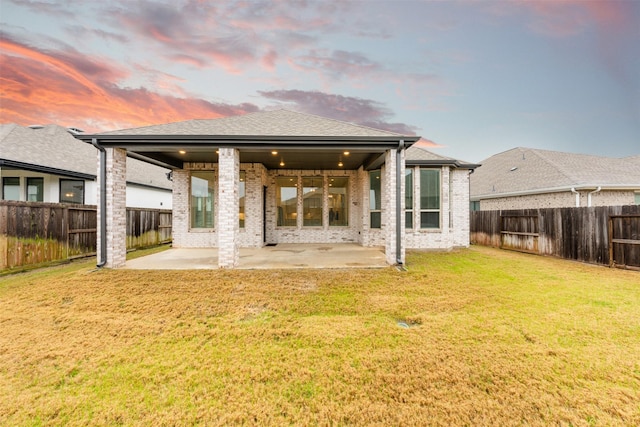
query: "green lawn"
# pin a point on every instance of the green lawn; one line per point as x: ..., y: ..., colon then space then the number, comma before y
x: 470, y: 337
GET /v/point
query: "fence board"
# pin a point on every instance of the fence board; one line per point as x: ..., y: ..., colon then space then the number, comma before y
x: 33, y: 232
x: 581, y: 234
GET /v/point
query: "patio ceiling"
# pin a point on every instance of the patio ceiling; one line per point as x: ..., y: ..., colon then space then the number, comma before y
x: 305, y: 153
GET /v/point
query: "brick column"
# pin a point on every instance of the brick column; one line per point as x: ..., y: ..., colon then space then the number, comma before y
x: 228, y: 216
x: 389, y: 207
x: 180, y: 212
x: 116, y: 213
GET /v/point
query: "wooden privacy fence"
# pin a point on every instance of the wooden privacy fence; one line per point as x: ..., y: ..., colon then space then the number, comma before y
x: 33, y: 233
x: 607, y: 235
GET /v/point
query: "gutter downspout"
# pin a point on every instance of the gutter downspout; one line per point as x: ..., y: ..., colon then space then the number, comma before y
x: 399, y: 203
x: 597, y: 190
x: 103, y: 203
x: 573, y: 190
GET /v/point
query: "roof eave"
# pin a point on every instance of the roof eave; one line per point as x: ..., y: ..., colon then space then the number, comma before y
x: 442, y: 162
x: 584, y: 187
x: 45, y: 169
x: 409, y: 139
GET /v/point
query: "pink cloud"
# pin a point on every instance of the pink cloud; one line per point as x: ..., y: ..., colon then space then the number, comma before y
x: 269, y: 60
x: 563, y: 18
x: 73, y: 89
x: 427, y: 143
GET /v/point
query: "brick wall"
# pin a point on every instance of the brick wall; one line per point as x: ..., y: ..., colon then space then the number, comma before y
x: 251, y: 236
x: 371, y: 237
x: 116, y: 188
x: 183, y: 235
x: 460, y: 207
x: 454, y: 214
x: 564, y: 199
x: 227, y: 209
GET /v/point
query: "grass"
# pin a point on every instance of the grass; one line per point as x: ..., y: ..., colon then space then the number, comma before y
x: 471, y: 337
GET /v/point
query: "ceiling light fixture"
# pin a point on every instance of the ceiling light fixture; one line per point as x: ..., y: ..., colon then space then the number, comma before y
x: 281, y: 163
x: 340, y: 164
x: 346, y: 153
x: 182, y: 152
x: 274, y: 153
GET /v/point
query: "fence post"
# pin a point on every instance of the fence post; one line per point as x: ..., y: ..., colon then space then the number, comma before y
x: 610, y: 238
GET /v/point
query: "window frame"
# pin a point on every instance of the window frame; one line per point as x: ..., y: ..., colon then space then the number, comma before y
x: 333, y: 216
x: 306, y: 210
x: 212, y: 187
x: 38, y: 195
x: 375, y: 205
x: 409, y: 198
x: 4, y: 185
x: 430, y: 210
x: 280, y: 221
x: 242, y: 199
x: 71, y: 180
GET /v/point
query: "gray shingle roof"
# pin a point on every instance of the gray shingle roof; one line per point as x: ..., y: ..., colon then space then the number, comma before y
x: 263, y: 123
x: 53, y: 146
x: 527, y: 170
x: 417, y: 155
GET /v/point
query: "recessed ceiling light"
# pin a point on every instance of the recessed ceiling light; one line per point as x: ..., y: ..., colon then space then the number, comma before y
x: 346, y: 153
x: 182, y: 152
x: 217, y: 151
x: 274, y: 152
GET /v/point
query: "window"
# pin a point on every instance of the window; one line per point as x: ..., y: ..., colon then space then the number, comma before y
x: 375, y: 199
x: 312, y: 201
x: 637, y: 198
x: 475, y: 205
x: 71, y: 191
x: 11, y: 188
x: 338, y: 190
x: 241, y: 195
x: 202, y: 190
x: 35, y: 189
x: 408, y: 198
x: 429, y: 198
x: 287, y: 201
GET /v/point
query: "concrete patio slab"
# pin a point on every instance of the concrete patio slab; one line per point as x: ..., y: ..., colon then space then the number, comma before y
x: 281, y: 256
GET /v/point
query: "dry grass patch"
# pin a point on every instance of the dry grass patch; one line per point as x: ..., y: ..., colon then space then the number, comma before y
x: 491, y: 338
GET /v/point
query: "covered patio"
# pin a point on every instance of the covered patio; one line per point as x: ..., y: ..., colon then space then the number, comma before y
x: 281, y: 256
x: 272, y: 177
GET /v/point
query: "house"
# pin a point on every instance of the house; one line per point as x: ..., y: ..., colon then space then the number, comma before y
x: 523, y: 178
x: 286, y: 177
x: 47, y: 164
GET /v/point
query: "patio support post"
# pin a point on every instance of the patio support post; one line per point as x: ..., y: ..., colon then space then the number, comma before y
x: 392, y: 206
x: 116, y: 207
x: 228, y: 226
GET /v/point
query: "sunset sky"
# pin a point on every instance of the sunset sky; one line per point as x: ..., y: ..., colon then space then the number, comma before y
x: 473, y: 77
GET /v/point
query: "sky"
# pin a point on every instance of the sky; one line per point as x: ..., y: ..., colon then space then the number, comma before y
x: 473, y: 78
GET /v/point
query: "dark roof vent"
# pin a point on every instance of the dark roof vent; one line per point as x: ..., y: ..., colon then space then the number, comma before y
x: 35, y: 126
x: 75, y: 131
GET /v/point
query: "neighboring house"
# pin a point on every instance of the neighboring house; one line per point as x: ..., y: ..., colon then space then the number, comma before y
x: 47, y: 164
x: 523, y: 178
x: 286, y: 177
